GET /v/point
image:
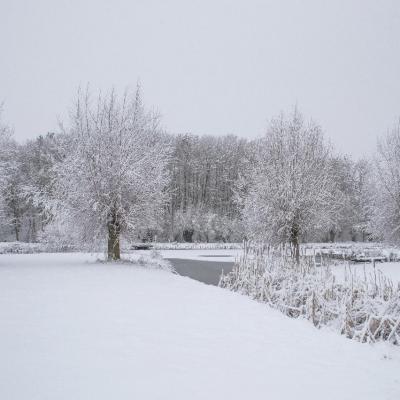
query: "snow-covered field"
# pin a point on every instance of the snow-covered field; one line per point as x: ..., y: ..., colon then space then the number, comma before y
x: 73, y: 328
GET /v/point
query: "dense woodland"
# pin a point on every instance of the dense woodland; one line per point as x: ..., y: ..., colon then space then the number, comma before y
x: 289, y: 185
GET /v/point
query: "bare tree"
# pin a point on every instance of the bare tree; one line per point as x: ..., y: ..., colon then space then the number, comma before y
x: 112, y: 178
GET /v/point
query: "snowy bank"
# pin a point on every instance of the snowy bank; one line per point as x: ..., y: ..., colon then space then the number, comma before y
x: 72, y: 328
x: 227, y: 255
x: 196, y: 246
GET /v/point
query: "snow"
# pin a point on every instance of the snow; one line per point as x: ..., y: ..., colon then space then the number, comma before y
x: 390, y: 270
x: 73, y: 328
x: 196, y: 246
x: 224, y: 255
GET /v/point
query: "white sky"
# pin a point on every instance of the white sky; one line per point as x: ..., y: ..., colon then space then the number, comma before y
x: 208, y: 66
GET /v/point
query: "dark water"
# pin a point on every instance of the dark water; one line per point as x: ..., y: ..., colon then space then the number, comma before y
x: 207, y: 272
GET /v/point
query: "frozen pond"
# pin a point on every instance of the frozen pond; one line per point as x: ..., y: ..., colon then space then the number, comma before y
x: 207, y: 265
x: 203, y: 255
x: 207, y: 272
x: 202, y: 265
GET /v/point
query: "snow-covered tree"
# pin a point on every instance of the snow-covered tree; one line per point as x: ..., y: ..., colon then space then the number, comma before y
x: 37, y: 160
x: 5, y: 141
x: 111, y: 181
x: 11, y: 196
x: 351, y: 199
x: 203, y: 172
x: 14, y: 204
x: 290, y: 189
x: 386, y: 210
x: 363, y: 198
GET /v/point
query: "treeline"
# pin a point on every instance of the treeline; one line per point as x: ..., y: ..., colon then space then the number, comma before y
x: 218, y: 188
x: 203, y: 172
x: 200, y: 204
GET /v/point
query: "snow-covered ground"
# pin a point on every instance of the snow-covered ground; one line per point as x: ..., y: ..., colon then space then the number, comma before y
x: 390, y: 270
x: 73, y: 328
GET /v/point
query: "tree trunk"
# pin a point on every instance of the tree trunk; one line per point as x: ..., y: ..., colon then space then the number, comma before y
x: 16, y: 219
x: 114, y: 252
x: 16, y: 228
x: 33, y: 237
x: 332, y: 236
x: 294, y: 241
x: 188, y: 235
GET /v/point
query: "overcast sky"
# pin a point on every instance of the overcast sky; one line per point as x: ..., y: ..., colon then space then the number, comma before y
x: 208, y: 66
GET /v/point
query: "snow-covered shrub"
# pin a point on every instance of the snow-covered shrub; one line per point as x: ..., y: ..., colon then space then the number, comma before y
x: 365, y: 309
x: 356, y: 251
x: 150, y: 260
x: 202, y: 225
x: 32, y: 248
x: 21, y: 248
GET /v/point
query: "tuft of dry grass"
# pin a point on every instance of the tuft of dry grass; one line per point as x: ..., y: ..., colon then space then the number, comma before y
x: 365, y: 308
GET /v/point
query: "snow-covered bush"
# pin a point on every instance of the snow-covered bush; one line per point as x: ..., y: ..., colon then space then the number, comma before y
x: 32, y: 248
x: 355, y: 251
x: 202, y: 225
x: 367, y: 309
x: 152, y: 260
